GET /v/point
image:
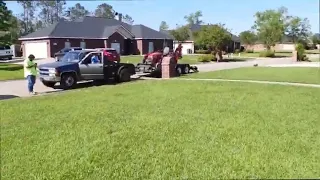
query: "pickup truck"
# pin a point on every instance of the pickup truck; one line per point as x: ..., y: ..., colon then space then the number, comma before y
x: 6, y: 52
x: 76, y: 66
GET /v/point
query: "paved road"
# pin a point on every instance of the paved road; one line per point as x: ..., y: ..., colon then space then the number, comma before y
x: 18, y: 88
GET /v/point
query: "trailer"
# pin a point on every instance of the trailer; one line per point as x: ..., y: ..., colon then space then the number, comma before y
x: 151, y: 63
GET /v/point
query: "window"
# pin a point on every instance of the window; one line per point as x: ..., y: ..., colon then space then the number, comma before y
x: 88, y: 58
x: 151, y: 48
x: 67, y: 44
x: 4, y: 47
x: 83, y: 44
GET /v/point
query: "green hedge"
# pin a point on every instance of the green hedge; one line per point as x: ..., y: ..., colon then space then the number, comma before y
x: 207, y: 58
x: 201, y: 51
x: 267, y: 53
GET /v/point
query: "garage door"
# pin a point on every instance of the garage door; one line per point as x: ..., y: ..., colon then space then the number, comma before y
x: 38, y: 49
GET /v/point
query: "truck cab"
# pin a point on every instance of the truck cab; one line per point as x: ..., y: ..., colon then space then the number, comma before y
x: 78, y: 65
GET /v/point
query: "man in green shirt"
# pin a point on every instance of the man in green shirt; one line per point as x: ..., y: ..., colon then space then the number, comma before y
x: 30, y: 72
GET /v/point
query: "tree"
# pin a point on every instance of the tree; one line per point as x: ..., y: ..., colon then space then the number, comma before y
x: 5, y: 24
x: 104, y: 10
x: 248, y: 37
x: 315, y: 39
x: 194, y: 18
x: 51, y: 11
x: 163, y: 26
x: 270, y: 26
x: 128, y: 19
x: 181, y: 33
x: 214, y: 37
x: 27, y: 16
x: 76, y: 12
x: 298, y: 29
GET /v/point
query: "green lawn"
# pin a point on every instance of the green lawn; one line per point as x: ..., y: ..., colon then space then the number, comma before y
x: 315, y: 59
x: 315, y: 51
x: 190, y: 59
x: 10, y: 71
x: 163, y: 130
x: 282, y: 74
x: 277, y: 54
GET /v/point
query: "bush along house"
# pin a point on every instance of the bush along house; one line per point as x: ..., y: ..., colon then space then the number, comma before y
x: 94, y: 32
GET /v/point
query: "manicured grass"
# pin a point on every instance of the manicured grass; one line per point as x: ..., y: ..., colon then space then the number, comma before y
x: 10, y: 71
x: 283, y: 74
x: 315, y: 59
x: 315, y: 51
x: 190, y: 59
x: 256, y: 54
x: 163, y: 130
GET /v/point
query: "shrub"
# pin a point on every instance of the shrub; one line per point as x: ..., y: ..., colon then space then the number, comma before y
x: 206, y: 58
x: 237, y: 51
x: 300, y: 50
x: 249, y: 51
x: 201, y: 51
x: 267, y: 53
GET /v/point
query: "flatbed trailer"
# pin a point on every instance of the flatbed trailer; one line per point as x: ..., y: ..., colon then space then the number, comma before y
x: 156, y: 70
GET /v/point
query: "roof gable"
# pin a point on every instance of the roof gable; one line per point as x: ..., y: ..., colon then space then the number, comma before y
x: 95, y: 28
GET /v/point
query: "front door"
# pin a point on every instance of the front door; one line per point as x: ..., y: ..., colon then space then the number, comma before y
x: 89, y: 70
x: 116, y: 46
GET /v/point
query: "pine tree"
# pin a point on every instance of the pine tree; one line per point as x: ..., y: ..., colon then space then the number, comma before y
x: 5, y: 17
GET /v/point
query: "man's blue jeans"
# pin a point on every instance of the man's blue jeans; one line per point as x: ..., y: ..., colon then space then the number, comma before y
x: 31, y: 81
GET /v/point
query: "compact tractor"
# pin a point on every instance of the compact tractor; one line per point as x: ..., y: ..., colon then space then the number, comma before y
x: 151, y: 62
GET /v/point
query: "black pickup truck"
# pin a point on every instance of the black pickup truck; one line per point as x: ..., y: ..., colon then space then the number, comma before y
x: 76, y: 66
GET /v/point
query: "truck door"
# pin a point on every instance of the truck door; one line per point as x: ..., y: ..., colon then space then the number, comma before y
x: 89, y: 70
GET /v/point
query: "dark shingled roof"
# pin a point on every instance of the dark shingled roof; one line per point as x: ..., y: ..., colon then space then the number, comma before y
x: 95, y: 27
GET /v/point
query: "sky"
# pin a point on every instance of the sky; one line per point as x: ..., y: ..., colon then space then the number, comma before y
x: 237, y: 15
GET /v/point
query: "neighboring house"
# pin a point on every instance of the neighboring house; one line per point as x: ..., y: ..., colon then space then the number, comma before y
x: 189, y: 46
x: 94, y: 32
x: 286, y: 44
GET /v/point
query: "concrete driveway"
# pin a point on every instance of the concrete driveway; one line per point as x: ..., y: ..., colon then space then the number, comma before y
x: 18, y: 88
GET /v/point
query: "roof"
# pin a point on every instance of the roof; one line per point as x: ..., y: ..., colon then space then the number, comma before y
x: 95, y: 28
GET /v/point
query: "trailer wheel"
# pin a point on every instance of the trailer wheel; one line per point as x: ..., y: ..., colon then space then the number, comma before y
x: 124, y: 75
x: 68, y: 81
x: 178, y: 71
x: 186, y: 70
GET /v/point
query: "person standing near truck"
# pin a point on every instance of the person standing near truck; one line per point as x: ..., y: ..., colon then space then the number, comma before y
x: 30, y: 72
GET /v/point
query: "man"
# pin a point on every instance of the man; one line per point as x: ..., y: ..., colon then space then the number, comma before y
x: 95, y: 59
x: 30, y: 72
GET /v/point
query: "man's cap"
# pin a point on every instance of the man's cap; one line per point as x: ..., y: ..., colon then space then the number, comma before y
x: 31, y: 56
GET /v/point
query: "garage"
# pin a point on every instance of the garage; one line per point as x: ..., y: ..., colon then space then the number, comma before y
x: 38, y: 49
x: 188, y: 47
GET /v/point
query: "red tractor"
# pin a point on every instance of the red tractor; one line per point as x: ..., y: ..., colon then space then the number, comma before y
x: 152, y: 62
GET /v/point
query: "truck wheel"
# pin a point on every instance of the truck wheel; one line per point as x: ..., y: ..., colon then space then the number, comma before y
x: 48, y: 84
x: 10, y: 58
x: 68, y: 81
x: 124, y: 75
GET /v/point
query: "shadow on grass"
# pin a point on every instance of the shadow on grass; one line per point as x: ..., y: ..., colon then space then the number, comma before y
x: 88, y: 84
x: 4, y: 97
x: 10, y: 67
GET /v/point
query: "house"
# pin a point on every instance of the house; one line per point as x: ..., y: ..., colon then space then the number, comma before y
x: 94, y: 32
x: 189, y: 45
x: 286, y: 44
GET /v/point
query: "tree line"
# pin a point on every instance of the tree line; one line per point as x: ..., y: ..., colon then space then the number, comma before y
x: 270, y: 27
x: 275, y: 26
x: 42, y: 13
